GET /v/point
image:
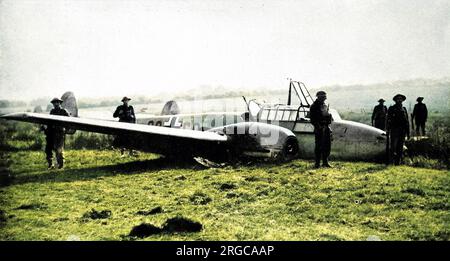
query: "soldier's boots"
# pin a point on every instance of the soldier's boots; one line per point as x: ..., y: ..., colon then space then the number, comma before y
x: 122, y: 153
x: 326, y: 164
x: 134, y: 153
x: 317, y: 164
x: 60, y: 163
x: 50, y: 165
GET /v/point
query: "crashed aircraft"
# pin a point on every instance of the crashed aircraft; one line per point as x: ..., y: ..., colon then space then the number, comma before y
x: 279, y: 132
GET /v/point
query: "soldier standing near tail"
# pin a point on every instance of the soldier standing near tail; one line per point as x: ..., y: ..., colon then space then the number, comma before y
x: 379, y: 115
x: 55, y: 136
x: 397, y: 128
x: 419, y: 116
x: 125, y: 113
x: 321, y: 120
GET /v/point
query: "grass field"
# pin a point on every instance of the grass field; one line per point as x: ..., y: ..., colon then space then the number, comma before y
x: 290, y: 201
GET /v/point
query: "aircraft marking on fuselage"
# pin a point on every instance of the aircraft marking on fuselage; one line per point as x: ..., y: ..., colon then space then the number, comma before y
x: 198, y: 122
x: 173, y: 122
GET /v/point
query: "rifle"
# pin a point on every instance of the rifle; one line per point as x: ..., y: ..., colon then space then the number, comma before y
x: 412, y: 122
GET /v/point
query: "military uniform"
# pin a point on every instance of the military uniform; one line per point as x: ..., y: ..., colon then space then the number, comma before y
x: 55, y: 137
x: 125, y: 113
x: 398, y: 128
x: 379, y: 116
x: 419, y: 116
x: 321, y: 120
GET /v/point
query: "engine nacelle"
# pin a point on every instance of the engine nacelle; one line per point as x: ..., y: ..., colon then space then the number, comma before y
x: 260, y: 140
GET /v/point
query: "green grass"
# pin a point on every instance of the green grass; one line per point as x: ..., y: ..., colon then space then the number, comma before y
x: 290, y: 201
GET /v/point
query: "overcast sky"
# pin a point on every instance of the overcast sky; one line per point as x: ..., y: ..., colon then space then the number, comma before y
x: 109, y: 48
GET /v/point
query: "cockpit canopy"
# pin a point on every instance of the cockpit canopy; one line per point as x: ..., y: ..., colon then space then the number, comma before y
x: 280, y: 112
x: 296, y: 110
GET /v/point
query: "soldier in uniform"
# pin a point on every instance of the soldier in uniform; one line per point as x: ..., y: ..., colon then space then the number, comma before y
x: 397, y: 128
x: 125, y: 113
x: 55, y: 136
x: 321, y: 120
x: 419, y: 116
x: 379, y: 115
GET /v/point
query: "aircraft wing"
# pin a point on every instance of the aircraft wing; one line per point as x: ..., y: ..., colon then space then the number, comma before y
x: 145, y: 137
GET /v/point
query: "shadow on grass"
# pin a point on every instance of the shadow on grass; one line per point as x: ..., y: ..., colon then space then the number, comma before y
x: 132, y: 168
x: 372, y: 169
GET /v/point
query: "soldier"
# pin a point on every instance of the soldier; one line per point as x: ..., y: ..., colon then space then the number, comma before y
x: 55, y: 136
x: 379, y: 115
x: 397, y: 128
x: 125, y: 113
x: 419, y: 116
x: 321, y: 120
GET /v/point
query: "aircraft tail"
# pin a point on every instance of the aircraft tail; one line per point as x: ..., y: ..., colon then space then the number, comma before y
x: 70, y: 104
x: 170, y: 108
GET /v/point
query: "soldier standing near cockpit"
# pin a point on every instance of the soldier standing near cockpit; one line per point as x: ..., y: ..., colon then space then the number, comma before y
x: 321, y: 120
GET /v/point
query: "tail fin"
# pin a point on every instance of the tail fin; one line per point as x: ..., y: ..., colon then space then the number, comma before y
x: 170, y: 108
x: 38, y: 109
x: 70, y: 104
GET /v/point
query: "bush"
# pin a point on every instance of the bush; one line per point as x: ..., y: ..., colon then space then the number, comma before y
x: 24, y: 136
x: 87, y: 140
x: 19, y: 135
x: 424, y: 162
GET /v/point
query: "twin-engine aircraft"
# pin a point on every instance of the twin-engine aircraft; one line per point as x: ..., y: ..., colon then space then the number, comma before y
x: 279, y: 132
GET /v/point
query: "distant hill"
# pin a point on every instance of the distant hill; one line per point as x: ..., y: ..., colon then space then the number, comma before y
x: 364, y: 97
x: 342, y: 97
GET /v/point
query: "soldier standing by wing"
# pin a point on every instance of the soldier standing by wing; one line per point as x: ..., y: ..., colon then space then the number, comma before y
x: 125, y: 113
x: 397, y: 128
x: 379, y: 115
x: 55, y: 136
x: 321, y: 120
x: 419, y: 116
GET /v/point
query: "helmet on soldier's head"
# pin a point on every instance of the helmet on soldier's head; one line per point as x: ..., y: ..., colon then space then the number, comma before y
x: 403, y: 97
x: 321, y: 93
x: 381, y: 100
x: 419, y: 99
x: 56, y: 100
x: 125, y: 99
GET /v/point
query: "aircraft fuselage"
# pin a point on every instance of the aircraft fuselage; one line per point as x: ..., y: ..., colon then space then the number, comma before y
x: 351, y: 140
